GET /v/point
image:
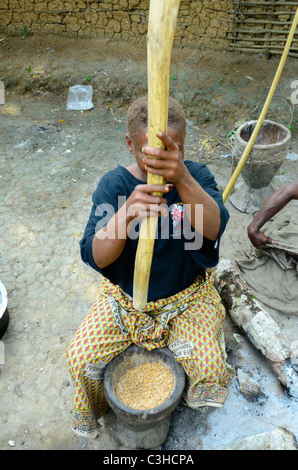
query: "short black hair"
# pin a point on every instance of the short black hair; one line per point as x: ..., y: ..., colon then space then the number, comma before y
x: 137, y: 116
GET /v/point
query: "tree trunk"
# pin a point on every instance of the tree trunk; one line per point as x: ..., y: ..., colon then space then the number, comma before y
x: 261, y: 330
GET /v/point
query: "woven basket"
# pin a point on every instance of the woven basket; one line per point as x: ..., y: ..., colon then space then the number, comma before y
x: 268, y: 153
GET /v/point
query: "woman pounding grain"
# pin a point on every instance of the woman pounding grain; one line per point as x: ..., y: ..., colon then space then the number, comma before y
x: 184, y: 311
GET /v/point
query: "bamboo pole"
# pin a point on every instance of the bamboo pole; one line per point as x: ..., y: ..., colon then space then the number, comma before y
x: 260, y: 120
x: 161, y: 29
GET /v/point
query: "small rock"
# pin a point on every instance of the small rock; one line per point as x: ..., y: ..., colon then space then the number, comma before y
x: 17, y: 390
x: 11, y: 443
x: 238, y: 338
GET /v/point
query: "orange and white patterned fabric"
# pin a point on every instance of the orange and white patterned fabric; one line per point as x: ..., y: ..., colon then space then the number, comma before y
x: 188, y: 323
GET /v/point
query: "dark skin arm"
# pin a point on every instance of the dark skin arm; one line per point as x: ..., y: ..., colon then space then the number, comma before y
x: 272, y: 206
x: 108, y: 243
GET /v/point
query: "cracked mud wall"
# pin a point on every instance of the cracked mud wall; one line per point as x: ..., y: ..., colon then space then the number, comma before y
x: 200, y: 23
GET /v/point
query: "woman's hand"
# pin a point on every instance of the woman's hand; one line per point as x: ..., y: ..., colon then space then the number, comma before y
x: 108, y: 243
x: 141, y: 203
x: 257, y: 238
x: 167, y: 163
x: 271, y: 206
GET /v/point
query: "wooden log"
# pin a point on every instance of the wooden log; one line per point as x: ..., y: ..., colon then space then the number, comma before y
x: 161, y: 29
x: 262, y: 331
x: 250, y: 388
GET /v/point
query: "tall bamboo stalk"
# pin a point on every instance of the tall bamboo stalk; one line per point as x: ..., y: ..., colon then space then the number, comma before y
x: 161, y: 29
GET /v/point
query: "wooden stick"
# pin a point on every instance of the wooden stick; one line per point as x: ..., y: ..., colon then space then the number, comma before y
x: 265, y: 3
x: 258, y: 31
x: 257, y: 51
x: 272, y: 47
x: 252, y: 13
x: 272, y: 39
x: 262, y: 22
x: 161, y: 29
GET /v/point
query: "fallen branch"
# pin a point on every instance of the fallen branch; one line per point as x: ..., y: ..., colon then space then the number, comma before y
x: 261, y: 330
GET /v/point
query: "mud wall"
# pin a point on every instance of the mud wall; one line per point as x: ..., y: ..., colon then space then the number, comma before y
x: 200, y: 22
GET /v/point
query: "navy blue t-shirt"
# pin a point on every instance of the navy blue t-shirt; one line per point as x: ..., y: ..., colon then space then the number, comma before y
x: 179, y: 255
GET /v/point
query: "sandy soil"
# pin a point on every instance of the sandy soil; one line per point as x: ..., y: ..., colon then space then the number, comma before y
x: 51, y: 160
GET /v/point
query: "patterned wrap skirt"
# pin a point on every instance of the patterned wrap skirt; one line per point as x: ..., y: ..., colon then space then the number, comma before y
x: 188, y: 323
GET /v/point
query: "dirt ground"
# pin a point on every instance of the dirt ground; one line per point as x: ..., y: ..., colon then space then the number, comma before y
x: 50, y: 162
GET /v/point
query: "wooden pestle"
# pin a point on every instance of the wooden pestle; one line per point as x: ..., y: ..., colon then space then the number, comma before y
x: 161, y: 29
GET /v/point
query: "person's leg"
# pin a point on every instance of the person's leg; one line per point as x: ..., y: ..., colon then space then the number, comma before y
x: 196, y: 338
x: 97, y: 341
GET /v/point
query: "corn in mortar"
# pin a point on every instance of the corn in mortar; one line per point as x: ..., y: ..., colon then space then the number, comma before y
x: 145, y: 386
